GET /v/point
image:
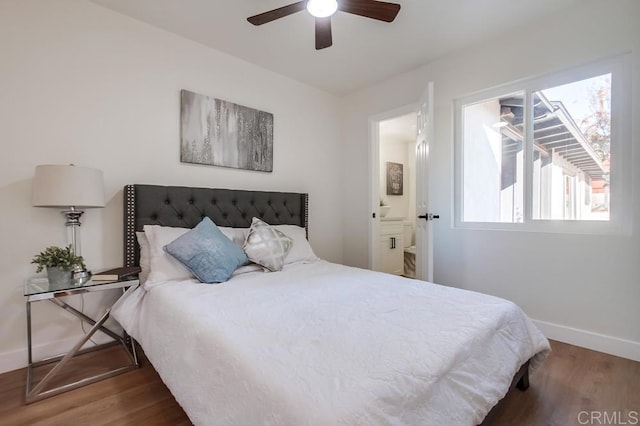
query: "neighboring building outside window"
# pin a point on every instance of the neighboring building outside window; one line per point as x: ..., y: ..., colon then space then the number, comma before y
x: 545, y: 150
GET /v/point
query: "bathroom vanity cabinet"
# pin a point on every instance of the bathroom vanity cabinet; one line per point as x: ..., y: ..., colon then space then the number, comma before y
x: 391, y: 246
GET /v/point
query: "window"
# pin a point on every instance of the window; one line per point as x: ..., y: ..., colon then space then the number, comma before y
x: 546, y: 151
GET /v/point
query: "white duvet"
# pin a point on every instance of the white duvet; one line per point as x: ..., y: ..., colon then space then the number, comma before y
x: 325, y: 344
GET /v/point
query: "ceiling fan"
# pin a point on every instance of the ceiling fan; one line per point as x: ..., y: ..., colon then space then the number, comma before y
x: 323, y: 9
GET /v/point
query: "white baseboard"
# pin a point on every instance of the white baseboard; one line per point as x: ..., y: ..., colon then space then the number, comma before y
x: 14, y: 360
x: 587, y: 339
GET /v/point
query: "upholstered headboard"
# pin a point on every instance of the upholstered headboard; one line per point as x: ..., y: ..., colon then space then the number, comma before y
x: 185, y: 207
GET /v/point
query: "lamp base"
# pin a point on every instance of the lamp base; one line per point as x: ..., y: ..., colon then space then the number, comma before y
x: 81, y: 276
x: 73, y: 228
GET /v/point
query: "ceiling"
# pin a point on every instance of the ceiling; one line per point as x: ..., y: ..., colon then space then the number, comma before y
x: 402, y: 128
x: 364, y: 51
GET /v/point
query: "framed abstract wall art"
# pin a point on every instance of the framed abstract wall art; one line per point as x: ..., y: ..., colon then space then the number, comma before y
x: 221, y: 133
x: 394, y: 178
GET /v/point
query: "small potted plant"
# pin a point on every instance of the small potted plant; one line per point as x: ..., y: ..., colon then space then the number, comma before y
x: 384, y: 208
x: 60, y: 263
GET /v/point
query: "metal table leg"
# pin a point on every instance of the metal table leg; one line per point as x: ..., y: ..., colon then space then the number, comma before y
x: 36, y: 393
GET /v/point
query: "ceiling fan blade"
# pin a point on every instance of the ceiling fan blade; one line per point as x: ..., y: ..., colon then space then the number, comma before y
x: 278, y: 13
x: 323, y: 33
x: 380, y: 10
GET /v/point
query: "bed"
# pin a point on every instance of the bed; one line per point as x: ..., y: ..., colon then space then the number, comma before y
x: 314, y: 343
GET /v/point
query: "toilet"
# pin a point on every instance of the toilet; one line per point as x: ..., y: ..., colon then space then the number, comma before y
x: 409, y: 250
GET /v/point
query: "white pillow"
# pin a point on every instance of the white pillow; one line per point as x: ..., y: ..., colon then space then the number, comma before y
x: 237, y: 235
x: 164, y: 267
x: 301, y: 250
x: 145, y: 258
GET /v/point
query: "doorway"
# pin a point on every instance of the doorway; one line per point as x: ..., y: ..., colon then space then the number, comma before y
x: 393, y: 191
x: 393, y: 237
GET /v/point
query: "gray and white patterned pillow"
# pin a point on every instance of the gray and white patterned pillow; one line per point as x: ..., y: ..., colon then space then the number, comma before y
x: 266, y: 246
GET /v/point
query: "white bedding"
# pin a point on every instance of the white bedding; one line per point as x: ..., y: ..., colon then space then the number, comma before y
x: 325, y: 344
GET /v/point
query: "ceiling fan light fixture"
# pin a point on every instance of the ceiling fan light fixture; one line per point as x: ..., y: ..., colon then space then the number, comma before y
x: 322, y: 8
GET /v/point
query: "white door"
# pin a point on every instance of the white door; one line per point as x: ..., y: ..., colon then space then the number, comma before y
x: 424, y: 238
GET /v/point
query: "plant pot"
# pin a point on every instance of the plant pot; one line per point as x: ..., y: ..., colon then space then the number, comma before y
x: 58, y: 277
x: 384, y: 210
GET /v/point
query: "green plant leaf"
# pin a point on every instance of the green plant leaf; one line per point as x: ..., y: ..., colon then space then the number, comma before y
x: 61, y: 257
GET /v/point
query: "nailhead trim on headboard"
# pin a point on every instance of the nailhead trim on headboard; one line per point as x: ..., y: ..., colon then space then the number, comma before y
x: 130, y: 240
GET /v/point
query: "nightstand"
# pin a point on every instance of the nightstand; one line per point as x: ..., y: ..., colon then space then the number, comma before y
x: 38, y: 289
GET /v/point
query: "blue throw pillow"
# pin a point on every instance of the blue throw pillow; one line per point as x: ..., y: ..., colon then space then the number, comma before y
x: 207, y: 252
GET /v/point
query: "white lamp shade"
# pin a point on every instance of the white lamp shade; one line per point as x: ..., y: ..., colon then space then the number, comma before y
x: 67, y: 186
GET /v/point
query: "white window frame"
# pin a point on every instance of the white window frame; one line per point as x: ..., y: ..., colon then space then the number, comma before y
x: 620, y: 216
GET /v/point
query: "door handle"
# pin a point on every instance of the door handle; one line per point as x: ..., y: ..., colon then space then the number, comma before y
x: 429, y: 216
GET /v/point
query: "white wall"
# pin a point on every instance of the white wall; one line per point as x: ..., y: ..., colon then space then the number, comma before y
x: 412, y: 178
x: 81, y: 84
x: 582, y: 289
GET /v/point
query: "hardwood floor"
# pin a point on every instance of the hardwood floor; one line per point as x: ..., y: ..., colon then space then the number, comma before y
x: 137, y: 397
x: 572, y: 380
x: 575, y: 386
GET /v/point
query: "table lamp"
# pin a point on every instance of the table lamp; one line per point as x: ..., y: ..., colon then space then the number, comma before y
x: 72, y: 188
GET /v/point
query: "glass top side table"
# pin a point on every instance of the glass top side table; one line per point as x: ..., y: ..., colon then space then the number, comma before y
x: 38, y: 289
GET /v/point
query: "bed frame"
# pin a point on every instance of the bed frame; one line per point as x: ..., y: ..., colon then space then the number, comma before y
x: 185, y: 207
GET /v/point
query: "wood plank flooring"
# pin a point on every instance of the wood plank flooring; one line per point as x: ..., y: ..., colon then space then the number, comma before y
x: 138, y: 397
x: 570, y: 381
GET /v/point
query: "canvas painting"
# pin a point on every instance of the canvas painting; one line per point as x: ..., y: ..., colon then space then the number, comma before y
x: 221, y: 133
x: 394, y: 178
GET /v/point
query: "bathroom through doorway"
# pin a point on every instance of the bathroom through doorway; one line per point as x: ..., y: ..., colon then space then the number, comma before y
x: 401, y: 227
